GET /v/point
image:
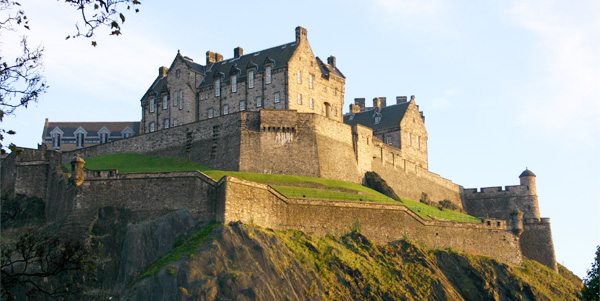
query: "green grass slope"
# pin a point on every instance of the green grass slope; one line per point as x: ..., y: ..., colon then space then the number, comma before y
x: 288, y: 185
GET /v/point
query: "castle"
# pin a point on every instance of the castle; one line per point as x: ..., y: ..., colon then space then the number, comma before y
x: 279, y: 111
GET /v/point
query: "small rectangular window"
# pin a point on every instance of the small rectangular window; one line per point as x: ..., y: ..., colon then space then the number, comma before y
x: 218, y: 87
x: 80, y: 139
x: 225, y: 109
x: 175, y: 122
x: 243, y: 105
x: 103, y: 138
x: 299, y: 99
x: 181, y: 101
x: 250, y: 79
x: 388, y: 140
x: 152, y: 127
x: 175, y: 98
x: 151, y: 105
x: 165, y: 102
x: 167, y: 123
x: 259, y: 101
x: 311, y: 104
x: 211, y: 113
x: 268, y: 74
x: 310, y: 81
x: 56, y: 140
x: 299, y: 76
x: 234, y: 83
x: 277, y: 100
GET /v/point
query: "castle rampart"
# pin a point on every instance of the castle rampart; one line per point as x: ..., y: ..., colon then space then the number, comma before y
x: 495, y: 202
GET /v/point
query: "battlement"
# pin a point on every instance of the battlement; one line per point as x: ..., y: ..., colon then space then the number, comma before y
x: 496, y: 190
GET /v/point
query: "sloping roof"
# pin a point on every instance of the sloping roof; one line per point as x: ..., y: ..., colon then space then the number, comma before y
x: 327, y: 69
x: 278, y: 55
x: 527, y: 173
x: 390, y: 117
x: 92, y: 128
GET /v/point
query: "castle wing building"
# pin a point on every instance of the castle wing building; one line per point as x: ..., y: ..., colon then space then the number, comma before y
x: 287, y: 76
x: 67, y: 136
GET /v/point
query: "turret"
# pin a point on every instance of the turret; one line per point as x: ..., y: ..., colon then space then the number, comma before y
x: 77, y: 170
x: 528, y: 179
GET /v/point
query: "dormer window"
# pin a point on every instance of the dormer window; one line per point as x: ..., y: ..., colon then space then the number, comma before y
x: 165, y: 102
x: 218, y: 87
x: 377, y: 117
x: 56, y: 140
x: 234, y: 83
x: 250, y: 79
x: 268, y: 75
x: 80, y: 138
x: 103, y: 137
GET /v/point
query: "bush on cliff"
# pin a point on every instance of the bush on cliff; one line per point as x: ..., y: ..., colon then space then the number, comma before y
x: 377, y: 183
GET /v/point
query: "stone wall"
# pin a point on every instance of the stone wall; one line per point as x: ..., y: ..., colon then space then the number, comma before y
x: 536, y: 242
x: 25, y: 173
x: 494, y: 202
x: 255, y: 203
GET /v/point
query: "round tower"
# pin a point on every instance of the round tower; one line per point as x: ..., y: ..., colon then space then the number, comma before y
x: 528, y: 179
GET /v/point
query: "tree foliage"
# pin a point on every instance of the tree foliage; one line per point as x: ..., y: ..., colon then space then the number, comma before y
x: 21, y: 78
x: 591, y: 283
x: 39, y: 266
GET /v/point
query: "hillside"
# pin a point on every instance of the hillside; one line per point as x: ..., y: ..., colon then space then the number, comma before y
x: 242, y: 262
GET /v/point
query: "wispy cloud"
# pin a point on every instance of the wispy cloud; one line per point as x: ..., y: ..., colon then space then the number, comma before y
x: 567, y: 97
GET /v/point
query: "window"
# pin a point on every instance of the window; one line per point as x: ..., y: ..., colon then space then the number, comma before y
x: 377, y: 119
x: 250, y: 79
x: 103, y: 137
x: 165, y: 102
x: 177, y: 73
x: 311, y: 104
x: 299, y: 99
x: 310, y: 81
x: 234, y: 83
x: 181, y: 100
x: 175, y: 98
x: 151, y: 105
x: 175, y: 122
x: 277, y: 99
x: 225, y: 109
x: 80, y: 139
x: 56, y: 140
x: 126, y: 134
x: 218, y: 87
x: 211, y: 113
x: 243, y: 105
x: 388, y: 140
x: 268, y: 74
x: 167, y: 123
x: 152, y: 127
x: 299, y: 76
x: 259, y: 101
x: 419, y: 142
x: 409, y: 140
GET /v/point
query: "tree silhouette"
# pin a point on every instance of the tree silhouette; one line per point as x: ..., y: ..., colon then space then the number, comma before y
x: 591, y: 283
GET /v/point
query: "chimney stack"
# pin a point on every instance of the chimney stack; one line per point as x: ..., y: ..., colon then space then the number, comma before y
x: 237, y: 52
x: 218, y: 57
x: 300, y: 34
x: 378, y: 102
x: 331, y: 61
x: 162, y: 71
x: 210, y: 57
x: 360, y: 102
x: 354, y: 109
x: 401, y: 99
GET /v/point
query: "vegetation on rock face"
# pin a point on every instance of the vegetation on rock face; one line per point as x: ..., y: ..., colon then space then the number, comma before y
x: 591, y: 283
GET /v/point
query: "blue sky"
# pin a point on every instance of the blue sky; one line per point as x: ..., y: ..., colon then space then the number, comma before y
x: 504, y: 85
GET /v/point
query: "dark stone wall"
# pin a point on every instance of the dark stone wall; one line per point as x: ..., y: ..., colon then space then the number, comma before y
x: 537, y: 243
x: 25, y: 173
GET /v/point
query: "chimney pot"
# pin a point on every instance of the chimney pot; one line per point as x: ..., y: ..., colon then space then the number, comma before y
x: 360, y: 102
x: 210, y: 57
x: 378, y: 102
x: 237, y: 52
x: 401, y: 99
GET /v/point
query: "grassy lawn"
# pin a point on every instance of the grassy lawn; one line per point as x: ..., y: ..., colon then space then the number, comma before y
x: 290, y: 186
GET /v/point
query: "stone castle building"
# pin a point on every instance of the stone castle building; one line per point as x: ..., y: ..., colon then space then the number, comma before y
x: 279, y: 111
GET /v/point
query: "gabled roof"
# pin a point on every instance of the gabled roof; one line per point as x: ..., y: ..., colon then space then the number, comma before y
x: 278, y: 56
x: 390, y: 117
x: 92, y: 128
x: 327, y: 69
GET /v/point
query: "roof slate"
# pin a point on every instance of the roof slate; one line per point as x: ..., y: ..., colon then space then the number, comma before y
x: 390, y: 117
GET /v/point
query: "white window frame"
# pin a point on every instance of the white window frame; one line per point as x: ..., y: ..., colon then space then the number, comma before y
x: 310, y: 81
x: 277, y: 97
x: 225, y: 109
x: 268, y: 77
x: 234, y: 83
x: 311, y: 103
x: 259, y: 103
x: 211, y: 113
x: 218, y: 87
x: 151, y: 105
x: 243, y: 105
x: 250, y: 79
x: 299, y: 76
x: 165, y: 102
x: 299, y: 99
